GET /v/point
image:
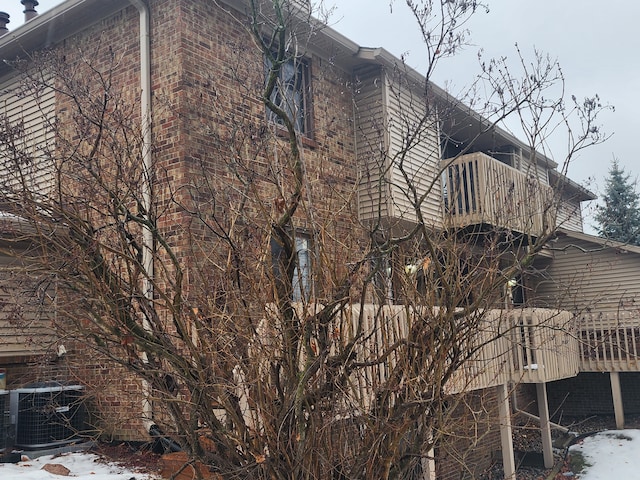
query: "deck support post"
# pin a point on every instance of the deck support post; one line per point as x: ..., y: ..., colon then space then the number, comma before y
x: 428, y: 463
x: 545, y: 424
x: 616, y: 393
x: 506, y: 435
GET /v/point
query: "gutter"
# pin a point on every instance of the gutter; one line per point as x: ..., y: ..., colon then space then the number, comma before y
x: 147, y: 235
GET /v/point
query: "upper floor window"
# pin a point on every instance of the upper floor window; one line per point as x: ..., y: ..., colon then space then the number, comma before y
x: 291, y: 94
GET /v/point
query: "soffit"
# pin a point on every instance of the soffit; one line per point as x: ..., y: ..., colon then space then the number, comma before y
x: 53, y: 26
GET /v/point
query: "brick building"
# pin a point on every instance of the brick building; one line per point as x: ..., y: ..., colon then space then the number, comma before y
x: 165, y: 99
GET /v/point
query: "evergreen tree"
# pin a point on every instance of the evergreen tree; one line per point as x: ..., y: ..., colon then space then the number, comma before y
x: 619, y: 217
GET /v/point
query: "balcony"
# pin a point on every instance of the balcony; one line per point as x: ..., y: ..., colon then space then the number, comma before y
x: 519, y: 345
x: 482, y: 191
x: 524, y: 345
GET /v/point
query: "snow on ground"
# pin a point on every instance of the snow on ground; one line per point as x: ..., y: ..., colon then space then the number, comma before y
x: 608, y: 455
x: 83, y: 466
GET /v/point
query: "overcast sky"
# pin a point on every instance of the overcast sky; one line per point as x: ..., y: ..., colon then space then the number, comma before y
x: 597, y: 44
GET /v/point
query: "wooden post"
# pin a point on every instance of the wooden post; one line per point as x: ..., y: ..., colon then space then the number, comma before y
x: 545, y: 424
x: 429, y: 463
x: 616, y: 393
x: 506, y: 436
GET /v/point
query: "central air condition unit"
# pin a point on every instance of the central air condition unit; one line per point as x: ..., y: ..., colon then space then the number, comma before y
x: 4, y: 404
x: 47, y: 415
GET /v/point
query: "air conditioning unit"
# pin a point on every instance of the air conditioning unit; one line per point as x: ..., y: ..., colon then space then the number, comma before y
x: 47, y: 415
x: 4, y: 424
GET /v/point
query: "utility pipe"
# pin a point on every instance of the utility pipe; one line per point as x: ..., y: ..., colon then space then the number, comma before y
x: 147, y: 235
x: 514, y: 406
x: 537, y: 419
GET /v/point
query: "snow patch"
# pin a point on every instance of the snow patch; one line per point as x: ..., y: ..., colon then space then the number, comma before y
x: 82, y: 466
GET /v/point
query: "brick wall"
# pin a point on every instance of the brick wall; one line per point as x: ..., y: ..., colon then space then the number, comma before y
x: 113, y: 396
x: 22, y: 370
x: 473, y: 437
x: 526, y: 399
x: 209, y: 128
x: 114, y: 401
x: 585, y: 394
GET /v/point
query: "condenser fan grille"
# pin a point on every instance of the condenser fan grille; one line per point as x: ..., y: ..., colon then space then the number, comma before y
x: 48, y: 416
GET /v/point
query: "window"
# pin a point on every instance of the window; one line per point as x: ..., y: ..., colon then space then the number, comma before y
x: 302, y: 273
x: 291, y: 93
x: 301, y: 281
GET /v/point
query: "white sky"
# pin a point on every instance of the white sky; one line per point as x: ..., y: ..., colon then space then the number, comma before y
x: 596, y: 43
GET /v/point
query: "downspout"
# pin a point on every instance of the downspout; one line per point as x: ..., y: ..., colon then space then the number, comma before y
x: 147, y: 235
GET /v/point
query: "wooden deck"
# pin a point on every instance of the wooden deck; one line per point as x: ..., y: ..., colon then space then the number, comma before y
x: 525, y: 345
x: 519, y: 345
x: 546, y: 345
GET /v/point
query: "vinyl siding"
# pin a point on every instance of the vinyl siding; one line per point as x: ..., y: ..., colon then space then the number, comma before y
x: 25, y: 327
x: 535, y: 169
x: 390, y: 138
x: 586, y: 277
x: 371, y: 142
x: 414, y: 146
x: 29, y: 114
x: 570, y: 215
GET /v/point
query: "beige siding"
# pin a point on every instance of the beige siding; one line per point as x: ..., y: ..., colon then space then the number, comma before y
x: 534, y: 168
x: 570, y: 215
x: 585, y: 276
x: 25, y: 323
x: 24, y: 326
x: 391, y: 137
x: 371, y: 141
x: 414, y: 149
x: 30, y: 114
x: 601, y: 285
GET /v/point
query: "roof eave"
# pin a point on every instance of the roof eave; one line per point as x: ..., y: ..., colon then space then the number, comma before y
x: 602, y: 242
x: 53, y: 26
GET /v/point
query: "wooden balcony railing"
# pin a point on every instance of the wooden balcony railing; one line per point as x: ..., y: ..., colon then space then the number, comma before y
x: 480, y: 190
x: 521, y: 345
x: 545, y: 345
x: 609, y: 342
